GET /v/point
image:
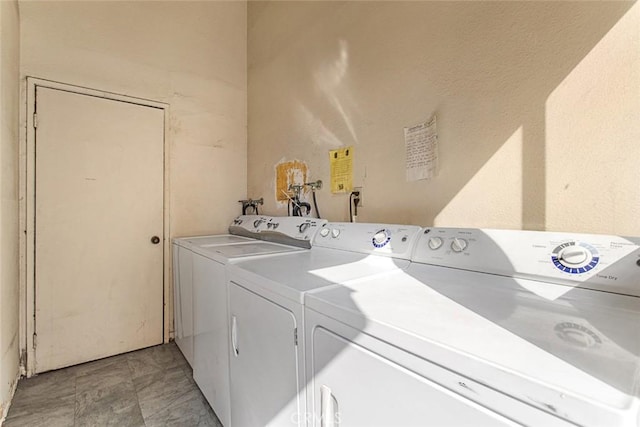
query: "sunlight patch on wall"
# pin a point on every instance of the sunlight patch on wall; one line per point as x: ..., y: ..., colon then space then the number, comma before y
x: 320, y: 135
x: 592, y: 134
x: 329, y: 82
x: 492, y: 198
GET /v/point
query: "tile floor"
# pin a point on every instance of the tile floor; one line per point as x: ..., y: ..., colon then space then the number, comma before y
x: 149, y: 387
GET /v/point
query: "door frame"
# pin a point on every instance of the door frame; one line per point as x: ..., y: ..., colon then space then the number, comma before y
x: 27, y: 211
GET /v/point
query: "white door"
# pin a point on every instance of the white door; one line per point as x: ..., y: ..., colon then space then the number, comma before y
x: 98, y: 206
x: 264, y: 362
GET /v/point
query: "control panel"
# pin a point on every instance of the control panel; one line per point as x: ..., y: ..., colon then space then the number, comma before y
x: 381, y: 239
x: 602, y: 262
x: 290, y: 230
x: 248, y: 225
x: 293, y: 230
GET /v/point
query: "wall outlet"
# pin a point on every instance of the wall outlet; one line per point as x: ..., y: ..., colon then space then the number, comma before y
x: 360, y: 205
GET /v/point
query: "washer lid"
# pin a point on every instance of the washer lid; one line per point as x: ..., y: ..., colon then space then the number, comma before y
x: 215, y: 240
x: 225, y: 253
x: 574, y: 355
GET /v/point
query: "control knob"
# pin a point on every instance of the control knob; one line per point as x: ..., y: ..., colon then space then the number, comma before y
x: 335, y: 232
x: 381, y: 238
x: 573, y: 255
x: 324, y: 232
x: 303, y: 227
x: 435, y: 243
x: 458, y: 245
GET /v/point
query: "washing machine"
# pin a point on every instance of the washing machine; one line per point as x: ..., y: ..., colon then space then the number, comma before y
x: 266, y: 315
x: 485, y: 327
x: 201, y: 270
x: 245, y: 228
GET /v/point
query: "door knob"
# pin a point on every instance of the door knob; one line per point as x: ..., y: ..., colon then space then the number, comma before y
x: 155, y: 240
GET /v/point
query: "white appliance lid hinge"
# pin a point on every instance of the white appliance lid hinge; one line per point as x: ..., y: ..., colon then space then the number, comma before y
x: 295, y: 336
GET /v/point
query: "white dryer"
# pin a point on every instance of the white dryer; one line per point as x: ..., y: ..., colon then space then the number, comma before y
x: 266, y: 299
x: 486, y: 327
x: 202, y: 269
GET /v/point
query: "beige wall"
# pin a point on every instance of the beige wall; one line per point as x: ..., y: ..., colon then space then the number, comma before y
x: 537, y: 106
x: 191, y: 55
x: 9, y: 119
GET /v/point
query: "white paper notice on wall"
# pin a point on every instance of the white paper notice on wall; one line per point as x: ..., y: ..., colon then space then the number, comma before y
x: 421, y: 142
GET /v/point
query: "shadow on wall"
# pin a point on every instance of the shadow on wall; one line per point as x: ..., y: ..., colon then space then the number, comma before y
x: 357, y: 73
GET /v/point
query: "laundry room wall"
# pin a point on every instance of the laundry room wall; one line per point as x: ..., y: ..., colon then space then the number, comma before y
x: 9, y: 113
x: 536, y: 105
x: 191, y: 55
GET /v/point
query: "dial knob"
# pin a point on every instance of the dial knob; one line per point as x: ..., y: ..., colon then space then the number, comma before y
x: 458, y: 245
x: 257, y: 222
x: 324, y: 232
x: 335, y: 232
x: 380, y: 237
x: 573, y: 255
x: 435, y: 243
x: 303, y: 227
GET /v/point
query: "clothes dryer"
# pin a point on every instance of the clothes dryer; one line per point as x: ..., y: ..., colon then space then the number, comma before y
x: 485, y: 327
x: 266, y: 299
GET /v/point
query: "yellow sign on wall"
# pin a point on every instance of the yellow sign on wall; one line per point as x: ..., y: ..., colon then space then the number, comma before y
x: 287, y: 173
x: 341, y: 162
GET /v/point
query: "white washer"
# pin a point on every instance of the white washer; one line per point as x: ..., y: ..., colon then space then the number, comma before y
x: 182, y: 256
x: 266, y: 313
x: 486, y: 327
x: 201, y: 270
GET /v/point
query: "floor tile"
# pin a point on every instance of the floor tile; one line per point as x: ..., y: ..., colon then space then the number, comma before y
x: 54, y: 384
x: 100, y: 366
x: 152, y: 359
x: 115, y: 405
x: 193, y: 411
x: 160, y: 390
x: 148, y: 387
x: 46, y: 396
x: 182, y: 361
x: 105, y: 376
x: 47, y: 413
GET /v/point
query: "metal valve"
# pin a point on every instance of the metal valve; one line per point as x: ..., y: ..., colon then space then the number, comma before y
x: 251, y: 204
x: 315, y: 185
